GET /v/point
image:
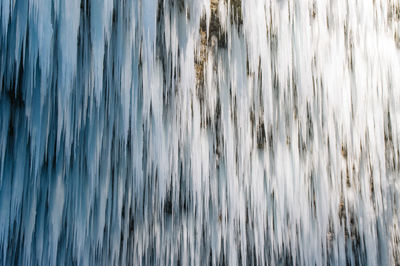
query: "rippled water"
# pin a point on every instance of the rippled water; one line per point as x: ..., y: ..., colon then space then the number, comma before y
x: 192, y: 132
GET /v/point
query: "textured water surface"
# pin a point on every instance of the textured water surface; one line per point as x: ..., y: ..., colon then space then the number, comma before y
x: 197, y: 132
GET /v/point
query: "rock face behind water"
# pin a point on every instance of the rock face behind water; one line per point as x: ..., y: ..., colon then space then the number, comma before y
x: 196, y: 132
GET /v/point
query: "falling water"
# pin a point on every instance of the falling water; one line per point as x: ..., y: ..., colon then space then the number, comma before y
x: 198, y: 132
